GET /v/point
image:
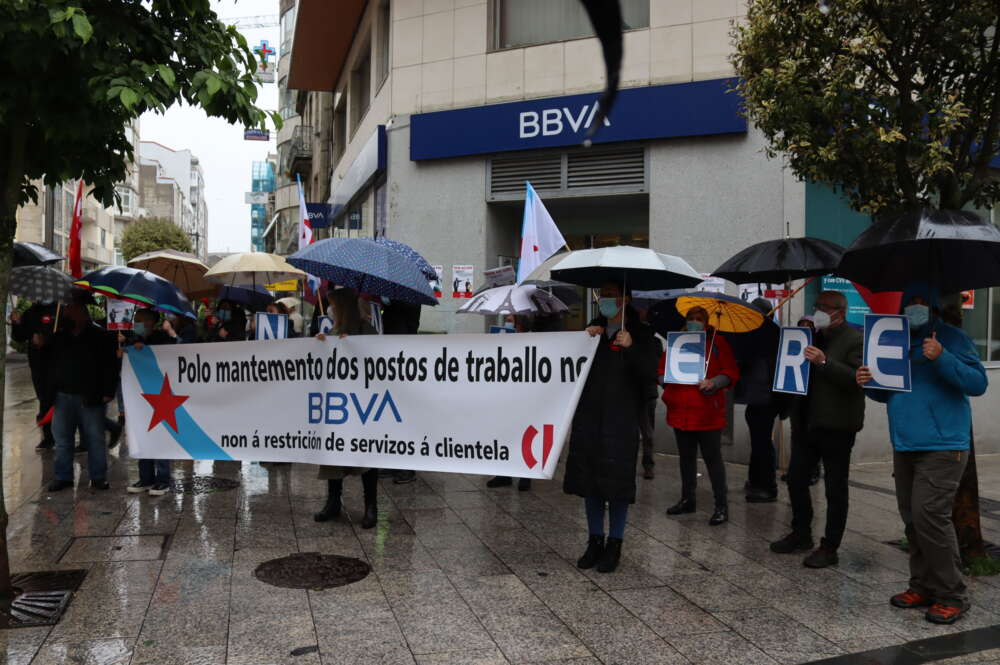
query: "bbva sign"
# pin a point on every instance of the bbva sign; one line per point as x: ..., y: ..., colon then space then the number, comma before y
x: 554, y: 121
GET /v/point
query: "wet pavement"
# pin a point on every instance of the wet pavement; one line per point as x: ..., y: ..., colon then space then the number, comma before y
x: 460, y: 574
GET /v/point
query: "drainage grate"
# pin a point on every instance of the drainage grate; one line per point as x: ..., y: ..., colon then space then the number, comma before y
x: 42, y: 598
x: 312, y: 570
x: 203, y: 484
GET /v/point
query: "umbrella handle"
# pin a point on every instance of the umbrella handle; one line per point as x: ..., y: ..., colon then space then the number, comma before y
x: 790, y: 296
x: 55, y: 325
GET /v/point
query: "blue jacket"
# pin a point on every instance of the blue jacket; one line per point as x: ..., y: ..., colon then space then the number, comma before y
x: 937, y: 414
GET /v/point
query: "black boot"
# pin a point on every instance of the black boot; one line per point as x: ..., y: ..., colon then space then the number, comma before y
x: 612, y: 553
x: 720, y: 516
x: 369, y: 480
x: 332, y: 508
x: 595, y: 550
x: 681, y: 507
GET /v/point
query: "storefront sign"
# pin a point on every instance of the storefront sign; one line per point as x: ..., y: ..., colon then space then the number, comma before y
x: 320, y: 215
x: 887, y: 351
x: 361, y: 402
x: 685, y: 362
x: 652, y: 112
x: 256, y: 134
x: 791, y: 374
x: 369, y: 162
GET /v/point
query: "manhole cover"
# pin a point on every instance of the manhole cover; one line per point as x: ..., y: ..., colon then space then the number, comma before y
x: 203, y: 484
x: 312, y: 570
x: 42, y: 598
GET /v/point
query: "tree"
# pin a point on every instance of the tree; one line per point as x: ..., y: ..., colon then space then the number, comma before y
x: 153, y: 233
x: 896, y: 103
x: 75, y: 73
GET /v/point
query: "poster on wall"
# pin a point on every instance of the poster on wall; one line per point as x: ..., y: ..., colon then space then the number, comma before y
x: 968, y: 299
x: 438, y: 284
x: 120, y: 314
x: 462, y: 281
x: 857, y: 308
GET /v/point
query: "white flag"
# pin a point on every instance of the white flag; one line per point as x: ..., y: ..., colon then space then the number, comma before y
x: 305, y: 228
x: 540, y: 237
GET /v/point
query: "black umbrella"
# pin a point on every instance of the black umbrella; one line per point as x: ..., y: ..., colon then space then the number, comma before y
x: 951, y: 250
x: 40, y: 284
x: 34, y: 254
x: 782, y: 261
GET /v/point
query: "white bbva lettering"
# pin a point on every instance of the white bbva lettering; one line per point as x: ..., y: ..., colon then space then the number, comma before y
x: 551, y: 122
x: 529, y: 125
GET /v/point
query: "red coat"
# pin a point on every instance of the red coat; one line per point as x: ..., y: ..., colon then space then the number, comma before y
x: 690, y: 409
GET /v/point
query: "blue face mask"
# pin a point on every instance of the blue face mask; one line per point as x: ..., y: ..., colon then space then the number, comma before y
x: 608, y: 307
x: 224, y: 315
x: 918, y: 315
x: 139, y: 329
x: 695, y: 326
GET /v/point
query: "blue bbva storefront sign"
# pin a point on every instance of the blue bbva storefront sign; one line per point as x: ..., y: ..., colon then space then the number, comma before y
x: 655, y: 112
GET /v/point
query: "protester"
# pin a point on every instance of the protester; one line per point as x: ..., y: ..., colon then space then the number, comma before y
x: 647, y: 418
x: 519, y: 324
x: 347, y: 321
x: 231, y: 325
x: 181, y: 329
x: 295, y: 322
x: 831, y: 417
x: 154, y: 475
x: 698, y: 414
x: 931, y: 430
x: 84, y: 375
x: 401, y: 318
x: 34, y: 328
x: 604, y: 442
x: 796, y: 408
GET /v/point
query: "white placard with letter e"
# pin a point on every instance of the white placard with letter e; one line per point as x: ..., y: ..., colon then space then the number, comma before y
x: 791, y: 369
x: 685, y: 358
x: 887, y: 351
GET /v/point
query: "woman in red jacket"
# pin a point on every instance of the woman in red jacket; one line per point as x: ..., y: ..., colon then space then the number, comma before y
x: 698, y: 413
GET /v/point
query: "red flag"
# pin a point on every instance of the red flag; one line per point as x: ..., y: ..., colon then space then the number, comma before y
x: 75, y: 259
x: 883, y: 302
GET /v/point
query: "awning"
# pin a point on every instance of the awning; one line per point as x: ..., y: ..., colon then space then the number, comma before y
x: 324, y: 31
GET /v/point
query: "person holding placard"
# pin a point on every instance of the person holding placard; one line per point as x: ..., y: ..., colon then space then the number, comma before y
x: 698, y: 414
x: 931, y: 430
x: 604, y: 437
x: 831, y: 416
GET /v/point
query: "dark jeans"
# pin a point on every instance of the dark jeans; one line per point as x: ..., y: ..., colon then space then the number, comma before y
x: 763, y: 460
x: 834, y: 449
x: 154, y: 471
x: 69, y: 414
x: 926, y: 483
x: 710, y: 442
x: 617, y: 513
x: 647, y: 418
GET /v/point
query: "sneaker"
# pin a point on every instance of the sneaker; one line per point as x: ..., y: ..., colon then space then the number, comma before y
x: 821, y: 557
x: 909, y: 599
x: 945, y: 614
x: 60, y: 485
x: 792, y: 543
x: 138, y: 487
x: 159, y: 489
x: 100, y: 485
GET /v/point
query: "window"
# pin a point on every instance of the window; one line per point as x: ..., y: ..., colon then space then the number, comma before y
x: 523, y: 22
x: 128, y: 201
x: 287, y: 30
x: 384, y: 23
x: 287, y: 107
x: 339, y: 131
x: 104, y: 238
x: 361, y: 87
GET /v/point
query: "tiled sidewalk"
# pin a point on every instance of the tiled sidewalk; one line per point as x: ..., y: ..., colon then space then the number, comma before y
x: 462, y: 574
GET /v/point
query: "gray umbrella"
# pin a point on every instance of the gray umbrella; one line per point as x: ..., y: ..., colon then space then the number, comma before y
x: 40, y: 284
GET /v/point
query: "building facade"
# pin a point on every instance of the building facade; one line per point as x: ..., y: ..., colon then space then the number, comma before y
x: 440, y: 110
x: 172, y: 186
x: 262, y: 206
x: 49, y: 220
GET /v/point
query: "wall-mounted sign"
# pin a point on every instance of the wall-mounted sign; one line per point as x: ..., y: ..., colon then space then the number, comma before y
x: 319, y: 215
x: 256, y: 134
x: 255, y: 198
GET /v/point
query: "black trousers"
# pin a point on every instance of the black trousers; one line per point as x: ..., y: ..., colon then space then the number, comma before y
x: 763, y: 459
x: 834, y: 449
x: 46, y: 396
x: 710, y: 442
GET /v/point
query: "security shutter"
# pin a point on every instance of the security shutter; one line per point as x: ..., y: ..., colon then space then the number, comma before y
x: 576, y: 172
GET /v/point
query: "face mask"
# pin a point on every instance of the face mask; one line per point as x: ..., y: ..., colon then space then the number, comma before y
x: 608, y: 307
x: 224, y: 315
x: 329, y: 311
x: 918, y: 315
x: 139, y: 329
x: 821, y: 319
x: 695, y: 326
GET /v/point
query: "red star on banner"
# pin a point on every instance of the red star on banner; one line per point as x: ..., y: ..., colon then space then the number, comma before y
x: 165, y: 405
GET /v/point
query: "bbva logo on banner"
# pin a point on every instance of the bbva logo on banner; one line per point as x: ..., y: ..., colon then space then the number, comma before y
x: 791, y: 369
x: 887, y: 351
x: 685, y: 363
x: 270, y: 326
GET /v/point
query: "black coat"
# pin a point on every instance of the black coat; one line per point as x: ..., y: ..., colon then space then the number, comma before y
x: 90, y: 357
x: 604, y: 438
x: 39, y: 318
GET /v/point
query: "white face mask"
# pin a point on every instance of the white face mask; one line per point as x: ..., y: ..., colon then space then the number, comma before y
x: 329, y: 311
x: 821, y: 319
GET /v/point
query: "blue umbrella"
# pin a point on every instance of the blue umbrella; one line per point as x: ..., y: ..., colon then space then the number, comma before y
x: 426, y: 268
x: 138, y: 286
x: 366, y: 266
x: 256, y: 297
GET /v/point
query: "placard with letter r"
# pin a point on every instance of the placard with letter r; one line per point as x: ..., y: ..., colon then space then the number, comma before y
x: 887, y: 351
x: 271, y: 326
x: 791, y: 369
x: 685, y: 363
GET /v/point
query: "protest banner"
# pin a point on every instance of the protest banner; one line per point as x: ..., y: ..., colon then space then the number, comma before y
x: 791, y: 370
x: 887, y: 351
x: 483, y: 404
x: 120, y: 314
x: 685, y: 358
x: 270, y: 326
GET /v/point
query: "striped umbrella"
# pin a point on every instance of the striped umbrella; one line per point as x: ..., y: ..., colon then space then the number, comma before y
x: 40, y: 284
x: 137, y: 286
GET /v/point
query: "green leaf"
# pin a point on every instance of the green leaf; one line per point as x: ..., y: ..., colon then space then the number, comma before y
x: 114, y: 91
x: 82, y: 27
x: 212, y: 84
x: 57, y: 15
x: 128, y: 97
x: 167, y: 75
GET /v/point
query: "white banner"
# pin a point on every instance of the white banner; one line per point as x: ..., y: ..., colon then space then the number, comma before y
x: 483, y: 404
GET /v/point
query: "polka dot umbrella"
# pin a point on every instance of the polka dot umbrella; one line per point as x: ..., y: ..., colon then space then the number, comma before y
x: 40, y: 284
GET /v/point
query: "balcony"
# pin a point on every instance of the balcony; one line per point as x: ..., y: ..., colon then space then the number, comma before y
x: 300, y: 150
